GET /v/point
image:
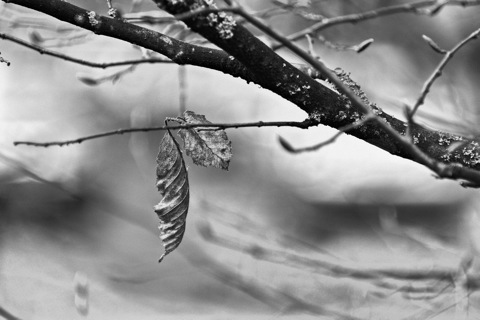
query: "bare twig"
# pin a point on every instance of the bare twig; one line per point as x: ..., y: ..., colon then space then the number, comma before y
x: 65, y: 57
x: 429, y: 7
x: 215, y: 126
x: 438, y: 70
x: 287, y: 146
x: 93, y: 81
x: 152, y: 19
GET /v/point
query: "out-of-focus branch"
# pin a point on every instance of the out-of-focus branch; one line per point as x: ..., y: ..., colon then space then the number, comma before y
x: 429, y: 283
x: 7, y: 315
x: 214, y: 126
x: 422, y: 7
x: 325, y: 264
x: 263, y: 292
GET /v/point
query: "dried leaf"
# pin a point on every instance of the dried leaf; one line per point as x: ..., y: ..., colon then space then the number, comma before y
x: 172, y: 183
x: 206, y: 146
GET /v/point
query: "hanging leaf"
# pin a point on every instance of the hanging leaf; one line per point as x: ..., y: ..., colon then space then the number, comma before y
x: 206, y: 146
x: 172, y: 183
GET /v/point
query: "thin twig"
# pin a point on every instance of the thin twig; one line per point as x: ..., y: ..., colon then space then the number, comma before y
x: 94, y: 81
x: 413, y: 7
x: 331, y: 140
x: 438, y: 70
x: 215, y: 126
x: 65, y: 57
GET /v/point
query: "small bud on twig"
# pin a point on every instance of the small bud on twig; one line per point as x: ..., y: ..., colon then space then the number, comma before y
x: 433, y: 45
x: 285, y: 144
x: 363, y: 45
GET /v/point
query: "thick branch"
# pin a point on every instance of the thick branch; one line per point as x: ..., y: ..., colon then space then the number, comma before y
x: 331, y: 109
x: 178, y: 51
x: 272, y: 71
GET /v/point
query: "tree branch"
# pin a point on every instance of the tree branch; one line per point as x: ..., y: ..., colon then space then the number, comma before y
x: 255, y: 55
x: 178, y: 51
x: 438, y: 70
x: 254, y: 61
x: 422, y: 7
x: 215, y: 126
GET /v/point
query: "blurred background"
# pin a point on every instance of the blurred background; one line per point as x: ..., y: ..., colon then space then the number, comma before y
x: 278, y: 235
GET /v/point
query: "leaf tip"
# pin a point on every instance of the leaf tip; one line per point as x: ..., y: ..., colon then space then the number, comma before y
x: 161, y: 257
